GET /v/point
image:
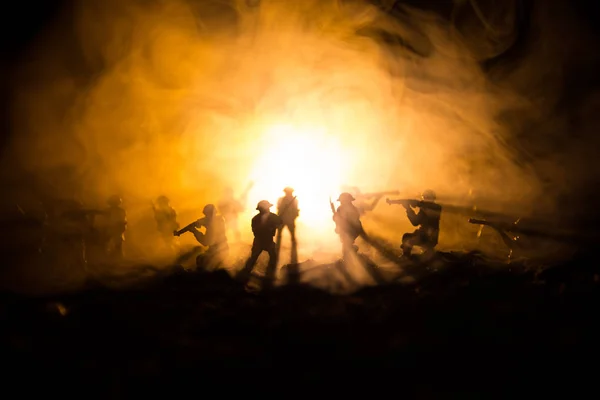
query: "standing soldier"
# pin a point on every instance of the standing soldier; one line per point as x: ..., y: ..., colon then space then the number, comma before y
x: 287, y: 209
x: 69, y: 224
x: 427, y: 220
x: 347, y: 223
x: 214, y: 238
x: 116, y: 225
x: 230, y: 208
x: 166, y: 220
x: 264, y: 225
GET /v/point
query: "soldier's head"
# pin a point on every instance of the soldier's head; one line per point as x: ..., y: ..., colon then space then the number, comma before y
x: 345, y: 198
x: 114, y: 201
x: 428, y: 195
x: 209, y: 210
x: 288, y: 191
x: 162, y: 201
x: 263, y: 206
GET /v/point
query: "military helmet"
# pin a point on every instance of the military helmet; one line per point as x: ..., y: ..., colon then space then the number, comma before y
x: 346, y: 197
x: 288, y: 190
x: 428, y: 195
x: 114, y: 200
x: 162, y: 200
x: 263, y: 205
x: 208, y: 209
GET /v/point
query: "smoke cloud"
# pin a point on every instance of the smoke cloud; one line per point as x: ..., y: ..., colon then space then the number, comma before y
x: 184, y: 98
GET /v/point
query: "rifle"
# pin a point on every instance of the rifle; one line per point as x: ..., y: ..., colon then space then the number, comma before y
x: 334, y: 214
x: 282, y: 211
x: 244, y: 196
x: 412, y: 203
x: 188, y: 228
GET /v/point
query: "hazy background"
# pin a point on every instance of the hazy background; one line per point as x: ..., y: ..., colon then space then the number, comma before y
x: 184, y: 98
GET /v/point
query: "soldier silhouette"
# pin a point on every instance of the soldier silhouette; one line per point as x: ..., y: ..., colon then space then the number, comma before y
x: 116, y: 225
x: 264, y: 225
x: 348, y: 224
x: 287, y: 209
x: 214, y: 238
x: 427, y: 220
x: 69, y: 224
x: 230, y: 208
x: 166, y: 220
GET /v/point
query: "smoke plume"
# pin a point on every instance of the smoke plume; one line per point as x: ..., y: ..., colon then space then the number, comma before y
x: 184, y: 98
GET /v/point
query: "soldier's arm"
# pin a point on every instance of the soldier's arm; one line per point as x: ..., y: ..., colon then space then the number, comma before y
x: 415, y: 219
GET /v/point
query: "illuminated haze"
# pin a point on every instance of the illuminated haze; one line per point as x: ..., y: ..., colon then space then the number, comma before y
x: 185, y: 98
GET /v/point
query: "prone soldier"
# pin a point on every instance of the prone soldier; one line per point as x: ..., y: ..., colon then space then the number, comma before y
x: 347, y: 223
x: 166, y: 220
x: 214, y: 238
x: 427, y: 220
x: 264, y: 225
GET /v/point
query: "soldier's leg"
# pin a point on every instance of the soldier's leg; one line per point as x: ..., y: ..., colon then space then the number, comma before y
x: 251, y: 262
x: 292, y: 228
x: 119, y: 247
x: 348, y: 246
x: 407, y: 243
x: 278, y: 239
x: 234, y: 226
x: 270, y: 274
x: 294, y: 255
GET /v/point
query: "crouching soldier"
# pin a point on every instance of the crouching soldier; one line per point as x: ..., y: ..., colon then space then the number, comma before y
x: 214, y: 238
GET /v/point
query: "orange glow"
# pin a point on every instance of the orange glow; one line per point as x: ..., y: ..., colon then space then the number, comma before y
x: 308, y: 159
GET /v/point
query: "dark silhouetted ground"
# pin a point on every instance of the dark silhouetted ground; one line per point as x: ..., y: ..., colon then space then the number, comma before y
x: 455, y: 322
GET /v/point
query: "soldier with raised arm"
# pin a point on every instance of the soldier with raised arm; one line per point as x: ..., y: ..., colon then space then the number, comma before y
x: 366, y: 202
x: 214, y: 238
x: 427, y: 220
x: 230, y: 208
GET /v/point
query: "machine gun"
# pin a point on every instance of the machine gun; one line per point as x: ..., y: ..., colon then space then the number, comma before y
x: 503, y: 229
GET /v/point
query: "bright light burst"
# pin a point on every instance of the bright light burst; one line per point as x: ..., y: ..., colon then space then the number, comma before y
x: 311, y: 161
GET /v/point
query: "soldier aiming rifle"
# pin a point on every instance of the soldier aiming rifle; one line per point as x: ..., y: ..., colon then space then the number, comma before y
x: 214, y: 238
x: 427, y: 220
